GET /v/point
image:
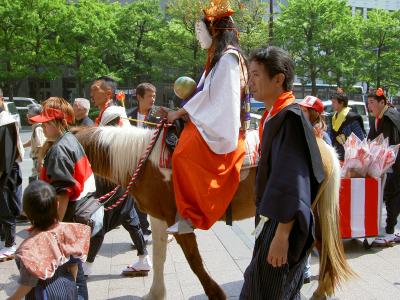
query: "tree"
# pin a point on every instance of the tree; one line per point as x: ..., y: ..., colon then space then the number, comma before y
x: 137, y: 29
x: 380, y: 59
x: 43, y: 45
x: 316, y: 33
x: 250, y: 18
x: 187, y: 12
x: 13, y: 48
x: 86, y: 35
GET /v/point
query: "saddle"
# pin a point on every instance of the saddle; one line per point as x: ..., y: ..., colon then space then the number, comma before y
x: 173, y: 133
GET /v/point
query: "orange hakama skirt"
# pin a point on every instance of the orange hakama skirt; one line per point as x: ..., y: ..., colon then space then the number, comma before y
x: 204, y: 182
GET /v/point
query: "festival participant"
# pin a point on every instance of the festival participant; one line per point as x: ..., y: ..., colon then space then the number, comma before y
x: 387, y: 122
x: 43, y: 258
x: 146, y: 96
x: 207, y: 160
x: 65, y: 166
x: 81, y: 109
x: 312, y: 107
x: 36, y: 141
x: 289, y: 173
x: 102, y: 91
x: 10, y: 180
x: 344, y: 122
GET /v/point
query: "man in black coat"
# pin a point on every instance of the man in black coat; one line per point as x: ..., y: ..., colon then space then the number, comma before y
x: 387, y: 122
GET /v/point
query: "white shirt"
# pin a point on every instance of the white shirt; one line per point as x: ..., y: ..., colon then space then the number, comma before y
x: 215, y: 110
x: 140, y: 117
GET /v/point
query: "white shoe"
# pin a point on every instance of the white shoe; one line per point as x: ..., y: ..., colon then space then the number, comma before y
x: 7, y: 252
x: 144, y: 264
x: 87, y: 268
x: 180, y: 227
x: 386, y: 239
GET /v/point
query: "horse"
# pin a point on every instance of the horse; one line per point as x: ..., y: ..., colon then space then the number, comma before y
x: 114, y: 154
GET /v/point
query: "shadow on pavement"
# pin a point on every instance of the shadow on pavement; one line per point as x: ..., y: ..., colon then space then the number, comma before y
x: 231, y: 289
x: 126, y: 298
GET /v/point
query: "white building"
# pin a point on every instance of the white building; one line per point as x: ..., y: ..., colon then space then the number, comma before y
x: 363, y: 6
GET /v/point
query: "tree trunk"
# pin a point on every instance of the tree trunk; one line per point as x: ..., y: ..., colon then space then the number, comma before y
x: 271, y: 21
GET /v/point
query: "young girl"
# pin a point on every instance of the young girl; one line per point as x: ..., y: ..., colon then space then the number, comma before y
x: 44, y: 259
x: 65, y: 165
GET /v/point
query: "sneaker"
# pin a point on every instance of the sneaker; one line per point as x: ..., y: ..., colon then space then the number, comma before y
x: 180, y: 227
x: 87, y: 268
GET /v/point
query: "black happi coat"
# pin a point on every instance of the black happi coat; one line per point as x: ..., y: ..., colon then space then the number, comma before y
x: 288, y: 176
x: 10, y: 178
x: 389, y: 125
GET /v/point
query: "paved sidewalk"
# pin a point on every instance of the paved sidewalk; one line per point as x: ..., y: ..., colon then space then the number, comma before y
x: 226, y: 252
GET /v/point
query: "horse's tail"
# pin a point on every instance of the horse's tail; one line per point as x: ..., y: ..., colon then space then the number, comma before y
x: 334, y: 268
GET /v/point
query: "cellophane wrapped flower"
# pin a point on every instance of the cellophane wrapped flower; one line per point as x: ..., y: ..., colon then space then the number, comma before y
x: 357, y: 157
x: 373, y: 158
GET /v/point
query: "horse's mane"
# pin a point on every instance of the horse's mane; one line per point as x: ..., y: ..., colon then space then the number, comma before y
x: 125, y: 147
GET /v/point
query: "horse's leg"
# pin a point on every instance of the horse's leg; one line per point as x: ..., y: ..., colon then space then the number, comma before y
x: 159, y: 233
x: 189, y: 246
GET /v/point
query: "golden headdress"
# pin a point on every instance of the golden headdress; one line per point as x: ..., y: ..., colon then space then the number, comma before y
x: 218, y: 9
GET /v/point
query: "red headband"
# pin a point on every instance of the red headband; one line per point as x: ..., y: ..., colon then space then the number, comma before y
x: 49, y: 114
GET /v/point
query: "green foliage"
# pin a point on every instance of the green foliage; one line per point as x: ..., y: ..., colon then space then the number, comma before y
x: 381, y: 43
x: 321, y: 36
x: 143, y: 41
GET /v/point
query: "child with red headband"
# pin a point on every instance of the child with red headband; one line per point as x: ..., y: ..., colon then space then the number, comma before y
x: 387, y: 122
x: 65, y: 165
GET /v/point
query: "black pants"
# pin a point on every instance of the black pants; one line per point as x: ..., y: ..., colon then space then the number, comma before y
x: 144, y: 223
x: 392, y: 201
x: 264, y: 282
x: 124, y: 214
x: 10, y: 205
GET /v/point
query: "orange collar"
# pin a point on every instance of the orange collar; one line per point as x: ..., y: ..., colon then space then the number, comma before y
x: 283, y: 100
x: 98, y: 119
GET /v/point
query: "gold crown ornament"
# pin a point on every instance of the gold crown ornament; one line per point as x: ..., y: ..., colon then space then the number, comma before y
x: 218, y: 9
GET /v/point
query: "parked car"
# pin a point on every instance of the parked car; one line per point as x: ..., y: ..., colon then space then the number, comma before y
x: 22, y: 106
x: 356, y: 106
x: 12, y: 110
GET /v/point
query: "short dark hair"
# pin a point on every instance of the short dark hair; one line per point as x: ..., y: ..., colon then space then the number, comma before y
x: 40, y: 204
x: 341, y: 97
x: 275, y: 61
x: 143, y: 87
x: 108, y: 83
x: 372, y: 94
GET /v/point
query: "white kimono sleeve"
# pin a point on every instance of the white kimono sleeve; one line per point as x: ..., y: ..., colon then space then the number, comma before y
x: 216, y: 109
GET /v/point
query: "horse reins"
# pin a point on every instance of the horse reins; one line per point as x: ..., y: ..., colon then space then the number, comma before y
x: 136, y: 174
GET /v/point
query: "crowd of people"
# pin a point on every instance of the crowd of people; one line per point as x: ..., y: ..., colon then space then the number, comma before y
x: 59, y: 252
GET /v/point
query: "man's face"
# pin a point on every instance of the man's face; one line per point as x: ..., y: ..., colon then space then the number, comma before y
x: 147, y: 101
x: 375, y: 107
x: 79, y: 111
x: 261, y: 85
x: 336, y: 106
x: 99, y: 94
